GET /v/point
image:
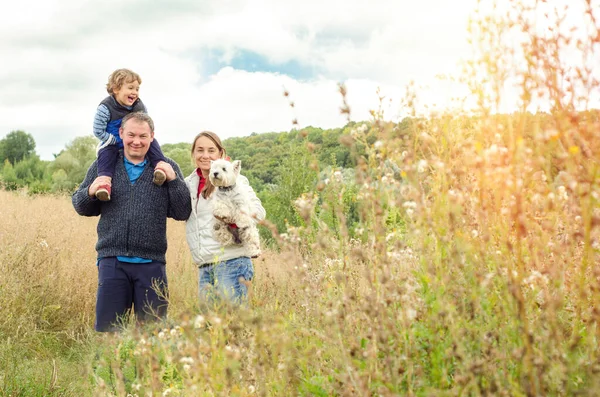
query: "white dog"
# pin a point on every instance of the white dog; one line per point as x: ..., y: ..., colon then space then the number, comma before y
x: 230, y: 205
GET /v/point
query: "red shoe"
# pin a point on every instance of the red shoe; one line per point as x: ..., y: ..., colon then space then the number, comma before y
x: 103, y: 192
x: 159, y: 177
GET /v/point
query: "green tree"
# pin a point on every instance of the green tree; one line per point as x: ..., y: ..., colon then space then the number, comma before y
x: 16, y: 146
x: 73, y: 161
x: 31, y: 169
x: 171, y: 146
x: 83, y: 149
x: 61, y: 182
x: 181, y: 155
x: 295, y: 177
x: 9, y: 177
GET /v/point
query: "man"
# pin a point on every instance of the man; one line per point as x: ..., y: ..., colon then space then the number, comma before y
x: 132, y: 238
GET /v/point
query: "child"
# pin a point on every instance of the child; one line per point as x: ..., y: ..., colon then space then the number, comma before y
x: 123, y: 87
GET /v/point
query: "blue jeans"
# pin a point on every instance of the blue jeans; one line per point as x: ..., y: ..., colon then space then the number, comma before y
x: 221, y: 280
x: 122, y: 285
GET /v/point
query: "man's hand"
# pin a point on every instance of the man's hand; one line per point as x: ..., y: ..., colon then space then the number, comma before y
x: 169, y: 171
x: 99, y: 181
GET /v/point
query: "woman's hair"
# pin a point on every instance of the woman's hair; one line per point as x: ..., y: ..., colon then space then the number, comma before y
x: 119, y: 77
x: 209, y: 187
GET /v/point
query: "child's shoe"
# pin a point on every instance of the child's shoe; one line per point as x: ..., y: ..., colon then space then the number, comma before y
x: 159, y: 177
x: 103, y: 192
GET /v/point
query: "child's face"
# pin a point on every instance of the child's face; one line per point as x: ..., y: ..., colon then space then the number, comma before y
x: 128, y: 93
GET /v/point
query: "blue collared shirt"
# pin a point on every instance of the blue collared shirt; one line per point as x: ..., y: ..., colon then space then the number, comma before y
x: 134, y: 171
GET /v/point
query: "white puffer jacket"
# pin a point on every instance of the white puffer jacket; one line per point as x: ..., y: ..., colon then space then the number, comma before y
x: 199, y: 226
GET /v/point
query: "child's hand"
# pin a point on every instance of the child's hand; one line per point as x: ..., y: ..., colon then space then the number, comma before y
x: 168, y: 170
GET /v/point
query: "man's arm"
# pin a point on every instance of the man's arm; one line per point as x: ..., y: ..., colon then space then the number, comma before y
x: 180, y: 202
x: 82, y: 202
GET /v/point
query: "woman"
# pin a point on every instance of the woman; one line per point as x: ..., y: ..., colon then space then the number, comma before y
x: 225, y: 271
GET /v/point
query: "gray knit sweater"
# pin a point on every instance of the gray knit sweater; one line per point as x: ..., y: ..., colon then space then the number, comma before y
x: 134, y: 221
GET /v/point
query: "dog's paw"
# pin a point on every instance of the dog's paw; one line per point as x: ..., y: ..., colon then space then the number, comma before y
x: 223, y: 236
x: 223, y: 213
x: 244, y: 221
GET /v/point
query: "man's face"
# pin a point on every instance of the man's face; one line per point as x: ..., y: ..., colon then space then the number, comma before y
x: 137, y: 137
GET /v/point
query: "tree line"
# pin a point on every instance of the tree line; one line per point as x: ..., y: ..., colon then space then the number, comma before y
x: 261, y: 156
x: 281, y: 166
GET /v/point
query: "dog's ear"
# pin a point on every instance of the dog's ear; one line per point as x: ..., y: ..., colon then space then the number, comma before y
x: 237, y: 166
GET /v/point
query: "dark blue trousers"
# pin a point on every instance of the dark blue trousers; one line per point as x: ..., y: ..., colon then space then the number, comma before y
x: 122, y: 285
x: 107, y: 157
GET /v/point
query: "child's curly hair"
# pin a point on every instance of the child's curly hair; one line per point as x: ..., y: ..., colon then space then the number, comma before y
x: 120, y: 77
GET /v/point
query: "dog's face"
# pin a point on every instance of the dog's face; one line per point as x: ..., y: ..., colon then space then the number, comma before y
x: 224, y: 173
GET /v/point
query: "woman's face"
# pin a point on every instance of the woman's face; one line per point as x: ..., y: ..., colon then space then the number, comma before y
x: 205, y: 150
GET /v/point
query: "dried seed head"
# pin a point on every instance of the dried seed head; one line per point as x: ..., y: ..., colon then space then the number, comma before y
x: 347, y: 140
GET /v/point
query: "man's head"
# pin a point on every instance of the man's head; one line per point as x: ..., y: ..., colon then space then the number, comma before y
x: 137, y: 133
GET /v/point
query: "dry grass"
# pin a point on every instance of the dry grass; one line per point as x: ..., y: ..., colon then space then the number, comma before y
x: 45, y: 244
x: 47, y: 247
x: 500, y: 300
x: 473, y: 269
x: 47, y: 297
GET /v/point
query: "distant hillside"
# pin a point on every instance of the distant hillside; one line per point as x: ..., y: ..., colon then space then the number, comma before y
x: 262, y: 154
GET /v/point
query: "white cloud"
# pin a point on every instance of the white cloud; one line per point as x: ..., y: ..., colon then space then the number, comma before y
x: 59, y: 54
x: 236, y: 103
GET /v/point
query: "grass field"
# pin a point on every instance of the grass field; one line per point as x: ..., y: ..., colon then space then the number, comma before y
x: 47, y: 297
x: 47, y: 294
x: 472, y: 271
x: 461, y: 259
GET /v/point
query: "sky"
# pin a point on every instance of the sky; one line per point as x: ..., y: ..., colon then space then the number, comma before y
x: 223, y: 65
